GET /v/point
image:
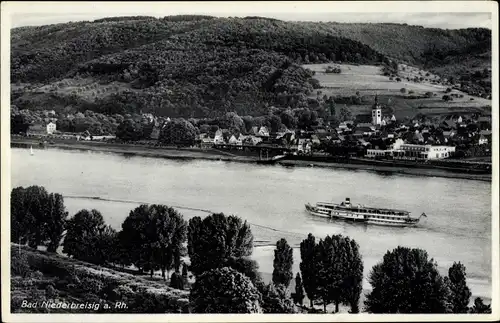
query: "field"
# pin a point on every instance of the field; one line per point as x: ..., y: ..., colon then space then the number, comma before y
x: 368, y: 81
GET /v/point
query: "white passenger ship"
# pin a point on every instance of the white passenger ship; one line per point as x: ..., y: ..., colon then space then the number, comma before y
x: 361, y: 213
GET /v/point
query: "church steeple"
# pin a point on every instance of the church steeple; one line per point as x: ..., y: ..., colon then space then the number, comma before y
x: 376, y: 112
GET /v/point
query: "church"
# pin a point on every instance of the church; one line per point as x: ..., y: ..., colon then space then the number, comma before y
x: 376, y: 112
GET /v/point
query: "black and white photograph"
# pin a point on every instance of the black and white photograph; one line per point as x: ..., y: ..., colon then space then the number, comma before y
x: 294, y: 158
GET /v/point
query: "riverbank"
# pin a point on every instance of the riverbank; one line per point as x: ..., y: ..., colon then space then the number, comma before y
x: 214, y: 154
x: 388, y: 170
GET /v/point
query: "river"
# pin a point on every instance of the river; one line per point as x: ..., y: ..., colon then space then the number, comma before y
x: 272, y: 198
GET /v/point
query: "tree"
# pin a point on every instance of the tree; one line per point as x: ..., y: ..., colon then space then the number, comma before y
x: 129, y: 130
x: 283, y: 262
x: 345, y: 114
x: 55, y: 221
x: 352, y: 271
x: 330, y: 275
x: 275, y: 122
x: 479, y: 307
x: 406, y: 281
x: 185, y: 273
x: 21, y: 220
x: 248, y: 121
x: 37, y: 217
x: 299, y: 290
x: 154, y: 235
x: 224, y: 290
x: 460, y: 292
x: 276, y: 300
x: 247, y: 267
x: 28, y: 215
x: 88, y: 237
x: 309, y: 267
x: 233, y: 122
x: 288, y: 119
x: 215, y: 240
x: 18, y: 124
x: 178, y: 132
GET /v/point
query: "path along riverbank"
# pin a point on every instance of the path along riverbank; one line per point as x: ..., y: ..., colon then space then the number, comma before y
x: 214, y: 154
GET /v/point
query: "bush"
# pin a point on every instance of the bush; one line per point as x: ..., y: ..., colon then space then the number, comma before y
x: 50, y: 292
x: 403, y: 90
x: 19, y: 265
x: 176, y: 281
x: 213, y: 288
x: 91, y: 285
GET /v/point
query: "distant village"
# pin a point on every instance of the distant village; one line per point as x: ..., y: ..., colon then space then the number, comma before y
x: 385, y: 137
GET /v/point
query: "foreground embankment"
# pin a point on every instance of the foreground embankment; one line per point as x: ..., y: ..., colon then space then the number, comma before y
x: 214, y: 154
x: 44, y: 282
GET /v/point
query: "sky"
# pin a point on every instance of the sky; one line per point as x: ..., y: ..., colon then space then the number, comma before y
x: 449, y: 15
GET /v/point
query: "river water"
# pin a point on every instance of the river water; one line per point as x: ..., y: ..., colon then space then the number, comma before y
x: 272, y: 198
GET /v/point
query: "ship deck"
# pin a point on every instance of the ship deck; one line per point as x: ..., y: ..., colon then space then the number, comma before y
x: 362, y: 207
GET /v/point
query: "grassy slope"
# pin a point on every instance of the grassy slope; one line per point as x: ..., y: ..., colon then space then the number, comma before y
x: 80, y: 282
x: 369, y: 81
x: 189, y: 45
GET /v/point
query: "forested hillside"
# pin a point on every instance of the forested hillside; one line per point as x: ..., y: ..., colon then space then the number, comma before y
x: 200, y: 66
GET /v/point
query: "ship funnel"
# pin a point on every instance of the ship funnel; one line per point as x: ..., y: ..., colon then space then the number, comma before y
x: 347, y: 201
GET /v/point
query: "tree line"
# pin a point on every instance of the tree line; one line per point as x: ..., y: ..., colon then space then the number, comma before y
x: 226, y: 280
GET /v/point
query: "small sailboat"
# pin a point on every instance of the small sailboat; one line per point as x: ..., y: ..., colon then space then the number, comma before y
x: 31, y: 151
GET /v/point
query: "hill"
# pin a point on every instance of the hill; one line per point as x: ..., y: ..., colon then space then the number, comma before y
x: 201, y: 66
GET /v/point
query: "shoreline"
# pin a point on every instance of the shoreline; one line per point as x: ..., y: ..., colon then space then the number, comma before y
x: 217, y: 155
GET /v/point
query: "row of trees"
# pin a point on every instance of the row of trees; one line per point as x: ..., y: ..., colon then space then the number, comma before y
x: 227, y: 280
x: 151, y: 238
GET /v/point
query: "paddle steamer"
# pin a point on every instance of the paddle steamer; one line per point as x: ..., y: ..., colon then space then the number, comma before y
x: 360, y: 213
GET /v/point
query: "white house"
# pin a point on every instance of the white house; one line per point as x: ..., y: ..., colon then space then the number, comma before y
x: 263, y: 131
x: 219, y: 138
x: 51, y: 128
x: 235, y: 140
x: 482, y: 140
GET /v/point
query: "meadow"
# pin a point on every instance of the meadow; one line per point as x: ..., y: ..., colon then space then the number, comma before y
x: 424, y: 97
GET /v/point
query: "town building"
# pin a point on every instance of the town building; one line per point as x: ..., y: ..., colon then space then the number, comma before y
x: 423, y: 151
x: 235, y: 140
x: 401, y: 150
x: 219, y: 138
x: 51, y: 128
